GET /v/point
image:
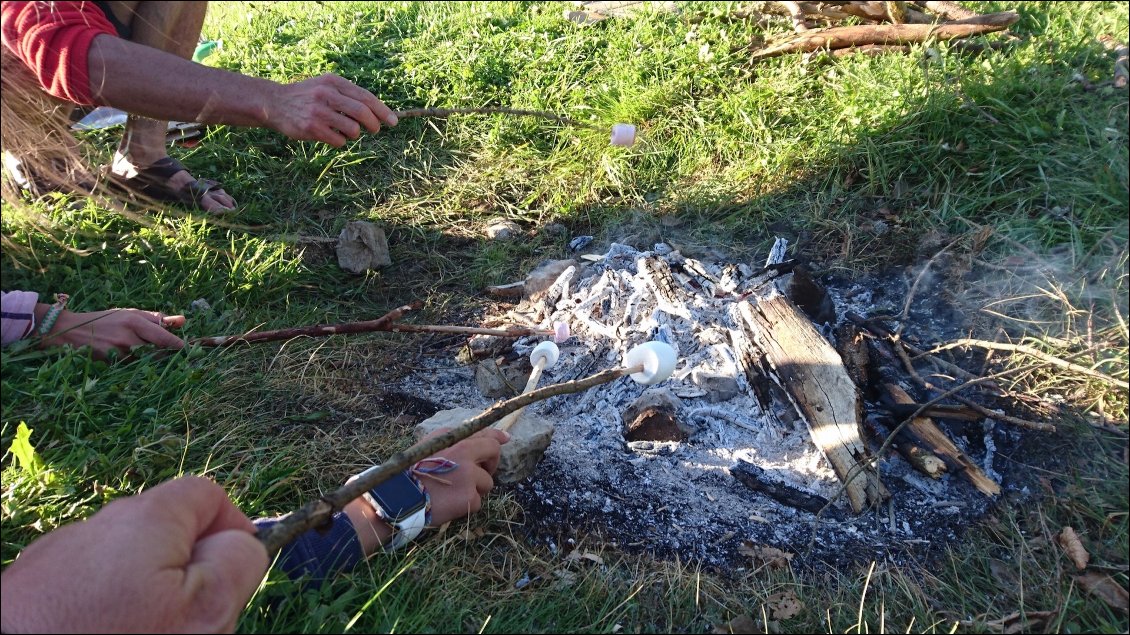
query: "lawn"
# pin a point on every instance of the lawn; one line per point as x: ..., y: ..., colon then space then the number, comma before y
x: 1018, y: 158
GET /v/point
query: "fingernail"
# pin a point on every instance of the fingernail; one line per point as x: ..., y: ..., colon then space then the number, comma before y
x: 505, y: 436
x: 393, y: 120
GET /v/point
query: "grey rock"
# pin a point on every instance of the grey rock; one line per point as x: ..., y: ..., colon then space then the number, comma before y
x: 502, y: 229
x: 529, y: 438
x: 362, y: 246
x: 580, y: 242
x: 555, y: 230
x: 506, y: 380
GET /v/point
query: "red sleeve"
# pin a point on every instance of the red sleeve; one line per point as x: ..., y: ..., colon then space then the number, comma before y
x: 53, y: 40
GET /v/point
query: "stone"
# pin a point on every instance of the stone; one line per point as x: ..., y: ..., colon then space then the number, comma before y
x: 652, y: 417
x: 502, y: 229
x: 529, y: 438
x: 720, y: 378
x: 811, y: 296
x: 362, y: 247
x: 496, y: 380
x: 555, y: 230
x: 544, y: 275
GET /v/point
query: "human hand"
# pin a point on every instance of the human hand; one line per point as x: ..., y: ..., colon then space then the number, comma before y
x: 477, y: 457
x: 327, y: 109
x: 116, y: 329
x: 178, y: 557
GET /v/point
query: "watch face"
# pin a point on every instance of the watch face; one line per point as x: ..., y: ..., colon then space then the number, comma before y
x: 398, y: 497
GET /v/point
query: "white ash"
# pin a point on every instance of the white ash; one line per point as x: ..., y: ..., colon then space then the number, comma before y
x: 673, y: 498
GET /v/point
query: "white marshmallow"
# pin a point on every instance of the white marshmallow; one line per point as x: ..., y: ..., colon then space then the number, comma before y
x: 623, y: 135
x: 658, y: 361
x: 545, y: 353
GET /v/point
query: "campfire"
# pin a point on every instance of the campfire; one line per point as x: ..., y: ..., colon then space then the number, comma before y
x: 765, y: 433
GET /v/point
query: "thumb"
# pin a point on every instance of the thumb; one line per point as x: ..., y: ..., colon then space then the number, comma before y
x: 225, y: 570
x: 173, y: 321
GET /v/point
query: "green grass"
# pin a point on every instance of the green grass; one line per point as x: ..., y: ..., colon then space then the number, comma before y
x: 938, y: 146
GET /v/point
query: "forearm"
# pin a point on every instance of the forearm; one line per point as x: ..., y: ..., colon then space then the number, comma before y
x: 152, y: 83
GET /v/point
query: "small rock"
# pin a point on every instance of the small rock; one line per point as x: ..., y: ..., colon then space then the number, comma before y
x: 652, y: 417
x: 555, y: 230
x: 362, y: 246
x: 529, y: 438
x: 502, y: 229
x: 496, y: 380
x: 811, y: 296
x: 200, y: 305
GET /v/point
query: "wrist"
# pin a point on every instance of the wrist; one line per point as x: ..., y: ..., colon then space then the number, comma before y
x: 372, y: 532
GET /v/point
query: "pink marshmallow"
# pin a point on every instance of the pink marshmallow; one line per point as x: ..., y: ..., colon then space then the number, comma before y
x: 560, y: 332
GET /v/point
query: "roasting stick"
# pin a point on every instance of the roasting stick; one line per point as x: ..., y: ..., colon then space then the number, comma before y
x: 649, y: 363
x: 543, y: 356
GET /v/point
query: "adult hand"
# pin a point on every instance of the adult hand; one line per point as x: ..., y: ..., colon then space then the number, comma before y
x: 116, y: 329
x: 178, y: 557
x: 477, y: 457
x: 328, y: 108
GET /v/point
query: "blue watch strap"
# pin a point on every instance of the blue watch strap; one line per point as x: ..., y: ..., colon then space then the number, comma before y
x: 319, y: 555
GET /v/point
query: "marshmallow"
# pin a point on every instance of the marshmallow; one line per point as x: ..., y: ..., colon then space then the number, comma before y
x: 560, y: 332
x: 623, y: 135
x: 545, y: 353
x: 658, y: 361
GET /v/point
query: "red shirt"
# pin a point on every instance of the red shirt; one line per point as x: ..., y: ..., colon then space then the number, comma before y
x: 53, y: 40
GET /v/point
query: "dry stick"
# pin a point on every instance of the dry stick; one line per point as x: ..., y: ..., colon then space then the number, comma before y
x: 858, y: 469
x: 1016, y: 421
x: 317, y: 512
x: 878, y: 331
x: 845, y: 36
x: 1032, y: 352
x: 799, y: 25
x: 385, y: 323
x: 491, y: 110
x: 1121, y: 62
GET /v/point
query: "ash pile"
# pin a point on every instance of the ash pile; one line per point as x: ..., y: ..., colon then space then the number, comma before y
x: 765, y: 435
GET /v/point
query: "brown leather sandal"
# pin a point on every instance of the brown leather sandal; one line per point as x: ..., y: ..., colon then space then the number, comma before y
x: 152, y: 182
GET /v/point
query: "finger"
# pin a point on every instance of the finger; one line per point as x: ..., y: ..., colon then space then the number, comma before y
x: 483, y: 482
x: 501, y: 436
x: 357, y: 111
x: 328, y: 135
x: 344, y: 125
x: 225, y: 570
x: 156, y: 334
x: 378, y: 107
x: 197, y: 506
x: 153, y: 316
x: 173, y: 321
x: 482, y: 451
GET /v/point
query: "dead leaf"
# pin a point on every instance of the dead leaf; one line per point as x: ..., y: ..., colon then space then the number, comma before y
x: 784, y: 605
x: 764, y: 555
x: 1031, y: 622
x: 577, y: 555
x: 1073, y: 547
x: 1106, y: 589
x: 740, y: 624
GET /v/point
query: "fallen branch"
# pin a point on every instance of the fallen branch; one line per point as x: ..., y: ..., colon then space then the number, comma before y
x: 491, y: 110
x: 887, y: 34
x: 387, y: 323
x: 1031, y: 352
x: 318, y: 512
x: 799, y: 25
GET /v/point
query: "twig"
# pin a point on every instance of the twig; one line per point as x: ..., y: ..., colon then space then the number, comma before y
x: 386, y: 323
x: 445, y: 112
x: 880, y: 331
x: 948, y: 10
x: 1032, y: 352
x: 317, y: 512
x: 1016, y: 421
x: 914, y: 287
x: 799, y: 25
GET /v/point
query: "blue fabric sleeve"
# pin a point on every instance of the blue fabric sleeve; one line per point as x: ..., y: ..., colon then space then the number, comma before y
x: 319, y: 555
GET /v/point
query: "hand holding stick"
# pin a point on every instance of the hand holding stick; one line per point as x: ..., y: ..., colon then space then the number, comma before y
x: 648, y: 363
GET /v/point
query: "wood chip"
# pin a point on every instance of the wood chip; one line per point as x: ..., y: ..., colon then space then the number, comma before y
x: 1073, y: 547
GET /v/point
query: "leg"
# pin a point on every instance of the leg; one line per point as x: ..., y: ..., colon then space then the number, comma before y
x: 173, y: 27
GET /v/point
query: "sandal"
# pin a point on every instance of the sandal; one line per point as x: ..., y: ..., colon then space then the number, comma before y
x: 152, y: 182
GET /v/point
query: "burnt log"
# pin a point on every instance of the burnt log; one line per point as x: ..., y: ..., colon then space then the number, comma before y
x: 755, y: 479
x: 776, y: 335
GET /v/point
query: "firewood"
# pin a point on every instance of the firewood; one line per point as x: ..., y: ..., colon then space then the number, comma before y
x: 925, y: 434
x: 948, y: 10
x: 887, y: 34
x: 813, y: 374
x: 755, y: 479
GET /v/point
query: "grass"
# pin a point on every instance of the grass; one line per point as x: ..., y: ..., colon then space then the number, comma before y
x: 864, y: 164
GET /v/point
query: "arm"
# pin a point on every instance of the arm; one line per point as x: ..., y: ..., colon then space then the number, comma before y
x: 152, y: 83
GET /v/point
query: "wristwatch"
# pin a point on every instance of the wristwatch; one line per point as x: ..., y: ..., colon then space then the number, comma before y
x: 403, y: 503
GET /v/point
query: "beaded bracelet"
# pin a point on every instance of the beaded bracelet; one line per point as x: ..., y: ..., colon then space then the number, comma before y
x: 53, y: 313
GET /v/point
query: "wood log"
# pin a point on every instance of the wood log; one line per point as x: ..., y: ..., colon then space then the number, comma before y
x: 870, y: 50
x: 923, y: 432
x: 755, y: 479
x: 1121, y: 62
x: 813, y: 375
x: 887, y: 34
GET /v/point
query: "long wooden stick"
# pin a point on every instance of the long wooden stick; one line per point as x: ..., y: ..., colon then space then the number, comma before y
x: 509, y: 420
x: 387, y: 322
x: 491, y: 110
x: 887, y: 34
x: 1032, y: 352
x: 317, y: 512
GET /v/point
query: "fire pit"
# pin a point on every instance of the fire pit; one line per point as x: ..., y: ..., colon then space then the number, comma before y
x: 760, y: 436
